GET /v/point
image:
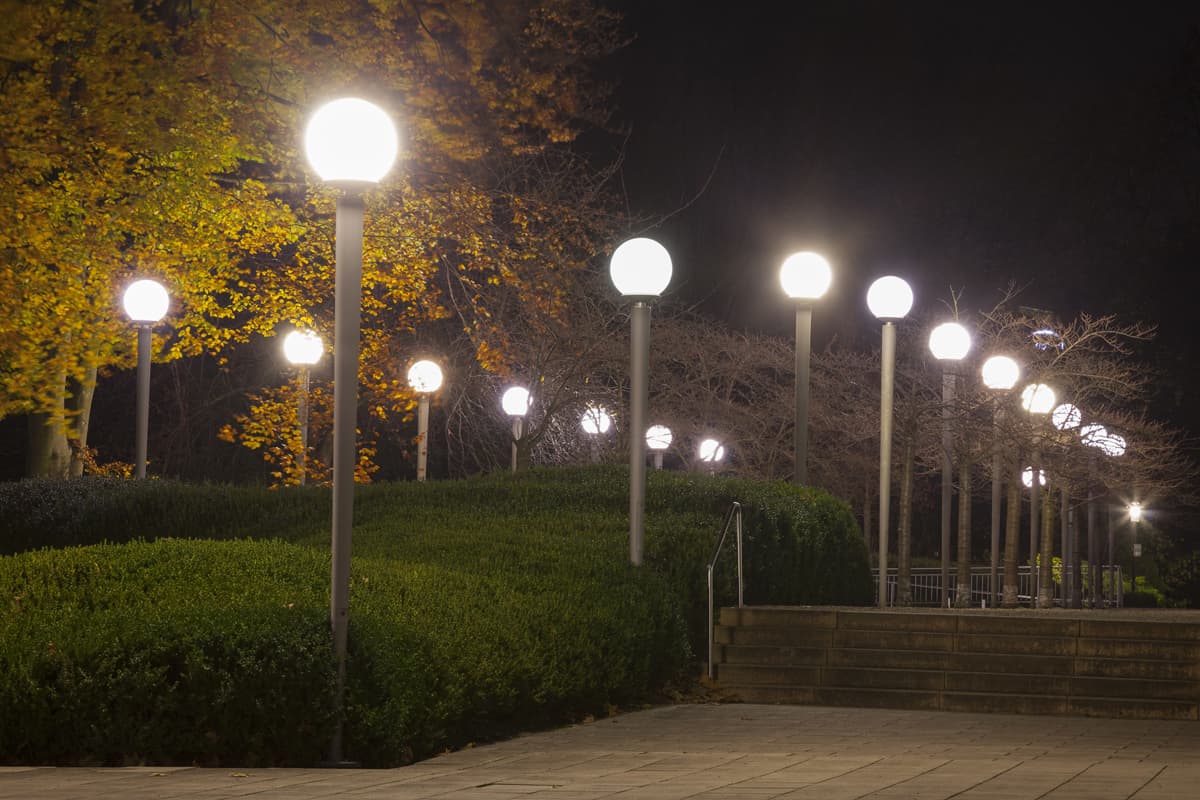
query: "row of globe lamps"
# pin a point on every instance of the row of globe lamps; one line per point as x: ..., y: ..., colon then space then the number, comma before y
x: 352, y: 144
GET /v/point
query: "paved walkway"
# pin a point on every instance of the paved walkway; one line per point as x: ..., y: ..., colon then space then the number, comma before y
x: 728, y: 751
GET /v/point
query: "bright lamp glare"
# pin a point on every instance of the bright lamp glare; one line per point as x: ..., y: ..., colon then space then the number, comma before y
x: 1066, y: 417
x: 146, y: 301
x: 1135, y: 512
x: 351, y: 140
x: 640, y: 268
x: 890, y: 298
x: 515, y: 401
x: 303, y: 347
x: 596, y: 420
x: 658, y: 437
x: 949, y: 342
x: 711, y: 451
x: 1001, y: 372
x: 1038, y: 398
x: 1027, y: 477
x: 425, y: 376
x: 805, y: 276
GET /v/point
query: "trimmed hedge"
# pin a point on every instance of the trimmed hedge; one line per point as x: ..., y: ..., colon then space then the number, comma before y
x: 479, y: 608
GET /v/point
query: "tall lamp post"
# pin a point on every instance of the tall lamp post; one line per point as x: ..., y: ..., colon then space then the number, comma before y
x: 805, y: 277
x: 515, y: 401
x: 1038, y: 399
x: 146, y: 302
x: 1135, y: 516
x: 425, y: 377
x: 302, y: 349
x: 640, y: 269
x: 1000, y: 374
x: 890, y: 299
x: 1066, y: 417
x: 658, y: 439
x: 351, y: 144
x: 1113, y: 446
x: 950, y: 342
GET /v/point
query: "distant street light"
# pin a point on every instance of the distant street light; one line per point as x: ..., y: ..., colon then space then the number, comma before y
x: 1135, y: 516
x: 1000, y: 374
x: 596, y: 421
x: 890, y: 299
x: 146, y: 302
x: 1038, y: 399
x: 640, y: 269
x: 425, y: 377
x: 950, y: 342
x: 711, y: 452
x: 805, y: 277
x: 658, y: 439
x: 302, y: 349
x: 516, y: 401
x: 350, y: 144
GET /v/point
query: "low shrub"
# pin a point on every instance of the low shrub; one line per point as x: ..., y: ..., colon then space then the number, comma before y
x: 1141, y: 599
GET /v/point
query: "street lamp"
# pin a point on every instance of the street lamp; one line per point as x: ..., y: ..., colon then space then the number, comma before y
x: 1038, y: 399
x: 805, y: 277
x: 1135, y: 516
x: 658, y: 439
x: 1066, y: 417
x: 351, y: 144
x: 516, y: 401
x: 1097, y: 436
x: 890, y: 299
x: 711, y: 451
x: 302, y: 349
x: 424, y: 377
x: 640, y: 269
x: 1000, y: 374
x: 596, y: 421
x: 949, y: 343
x: 146, y: 303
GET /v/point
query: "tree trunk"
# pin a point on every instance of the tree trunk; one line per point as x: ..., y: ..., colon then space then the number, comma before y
x: 49, y: 454
x: 1012, y: 538
x: 1046, y: 559
x: 868, y: 499
x: 962, y: 593
x: 904, y: 530
x: 80, y: 405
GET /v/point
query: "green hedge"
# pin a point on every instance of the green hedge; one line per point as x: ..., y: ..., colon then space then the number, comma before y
x: 478, y: 608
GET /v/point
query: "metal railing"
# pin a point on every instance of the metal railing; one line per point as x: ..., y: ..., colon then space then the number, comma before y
x: 734, y: 514
x: 926, y: 585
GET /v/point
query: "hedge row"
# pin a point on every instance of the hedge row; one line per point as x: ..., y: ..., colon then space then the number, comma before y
x: 478, y: 608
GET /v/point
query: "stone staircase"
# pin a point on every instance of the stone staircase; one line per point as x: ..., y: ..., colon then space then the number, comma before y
x: 1026, y: 662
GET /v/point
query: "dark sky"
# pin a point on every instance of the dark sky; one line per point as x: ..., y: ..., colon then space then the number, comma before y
x: 958, y: 144
x: 954, y: 143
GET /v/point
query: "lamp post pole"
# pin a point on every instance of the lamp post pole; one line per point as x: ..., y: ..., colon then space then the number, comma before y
x: 1135, y: 516
x: 302, y: 420
x: 890, y: 298
x: 351, y: 144
x: 805, y: 277
x: 515, y: 401
x: 949, y: 343
x: 640, y: 269
x: 146, y: 303
x: 1000, y: 374
x: 303, y: 349
x: 424, y: 377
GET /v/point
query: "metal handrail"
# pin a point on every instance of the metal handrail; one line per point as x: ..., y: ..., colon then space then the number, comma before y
x: 735, y: 513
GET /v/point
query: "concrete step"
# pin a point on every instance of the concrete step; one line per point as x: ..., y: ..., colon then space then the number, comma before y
x: 772, y: 635
x: 1137, y: 668
x: 760, y: 674
x: 784, y: 655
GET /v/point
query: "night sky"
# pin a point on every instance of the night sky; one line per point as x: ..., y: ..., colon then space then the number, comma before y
x: 955, y: 144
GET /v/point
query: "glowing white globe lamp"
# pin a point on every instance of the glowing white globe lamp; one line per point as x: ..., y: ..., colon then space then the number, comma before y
x: 596, y: 420
x: 805, y: 276
x: 1113, y: 444
x: 425, y: 376
x: 515, y: 401
x: 890, y: 298
x: 1027, y: 477
x: 1000, y: 373
x: 1038, y: 398
x: 658, y: 437
x: 949, y: 341
x: 640, y: 268
x: 303, y: 348
x: 711, y: 451
x: 1066, y: 417
x: 146, y: 301
x: 351, y: 140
